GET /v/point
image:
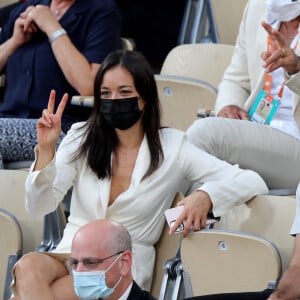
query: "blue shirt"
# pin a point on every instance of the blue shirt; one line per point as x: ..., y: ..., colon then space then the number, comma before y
x: 32, y: 71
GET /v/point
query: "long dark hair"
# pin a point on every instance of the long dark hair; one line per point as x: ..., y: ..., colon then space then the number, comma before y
x: 101, y: 140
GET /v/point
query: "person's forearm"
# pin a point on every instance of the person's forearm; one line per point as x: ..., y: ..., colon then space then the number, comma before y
x: 43, y: 157
x: 289, y: 284
x: 76, y: 68
x: 6, y: 50
x: 288, y: 287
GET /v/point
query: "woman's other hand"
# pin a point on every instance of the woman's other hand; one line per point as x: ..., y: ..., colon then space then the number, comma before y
x: 196, y: 208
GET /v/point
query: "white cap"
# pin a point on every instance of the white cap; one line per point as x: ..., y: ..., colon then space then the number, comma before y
x: 283, y: 10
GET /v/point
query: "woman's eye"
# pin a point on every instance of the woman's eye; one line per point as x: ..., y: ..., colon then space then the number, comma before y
x: 125, y: 92
x: 104, y: 94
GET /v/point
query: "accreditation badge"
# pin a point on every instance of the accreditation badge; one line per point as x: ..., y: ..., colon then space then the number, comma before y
x: 264, y: 108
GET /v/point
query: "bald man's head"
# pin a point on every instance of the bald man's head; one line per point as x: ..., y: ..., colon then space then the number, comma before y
x: 103, y: 235
x: 103, y: 245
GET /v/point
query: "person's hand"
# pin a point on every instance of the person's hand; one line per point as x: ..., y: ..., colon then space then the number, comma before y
x: 49, y: 125
x: 196, y: 207
x: 274, y: 296
x: 233, y: 112
x: 42, y: 17
x: 24, y: 28
x: 280, y: 54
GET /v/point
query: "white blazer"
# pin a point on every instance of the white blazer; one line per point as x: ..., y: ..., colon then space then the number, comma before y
x: 141, y: 208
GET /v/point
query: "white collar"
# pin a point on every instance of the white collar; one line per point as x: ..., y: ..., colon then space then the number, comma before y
x: 126, y: 293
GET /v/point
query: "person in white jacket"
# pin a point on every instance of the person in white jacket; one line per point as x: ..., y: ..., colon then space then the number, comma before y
x: 265, y: 66
x: 123, y: 166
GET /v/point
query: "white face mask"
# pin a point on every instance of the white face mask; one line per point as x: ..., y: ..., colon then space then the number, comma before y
x: 92, y: 285
x: 283, y: 10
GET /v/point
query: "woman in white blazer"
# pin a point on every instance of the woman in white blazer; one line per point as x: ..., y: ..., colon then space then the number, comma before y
x: 269, y: 150
x: 123, y: 166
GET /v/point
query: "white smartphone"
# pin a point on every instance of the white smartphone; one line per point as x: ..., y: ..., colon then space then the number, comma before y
x: 172, y: 214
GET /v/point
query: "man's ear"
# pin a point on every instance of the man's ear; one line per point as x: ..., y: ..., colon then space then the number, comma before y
x: 126, y: 262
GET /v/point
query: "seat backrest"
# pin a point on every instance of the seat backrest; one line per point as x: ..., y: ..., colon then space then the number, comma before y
x: 165, y: 249
x: 199, y: 61
x: 7, y: 2
x: 227, y: 16
x: 10, y: 244
x: 12, y: 187
x: 220, y: 261
x: 181, y: 98
x: 268, y: 216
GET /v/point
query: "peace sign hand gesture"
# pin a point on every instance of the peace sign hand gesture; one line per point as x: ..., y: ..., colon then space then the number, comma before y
x: 49, y: 130
x: 280, y: 54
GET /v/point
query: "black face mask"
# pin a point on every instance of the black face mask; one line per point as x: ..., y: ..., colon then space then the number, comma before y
x: 121, y: 113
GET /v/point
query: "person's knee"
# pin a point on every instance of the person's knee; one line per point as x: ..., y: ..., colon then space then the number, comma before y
x: 27, y: 262
x: 202, y: 132
x: 36, y: 266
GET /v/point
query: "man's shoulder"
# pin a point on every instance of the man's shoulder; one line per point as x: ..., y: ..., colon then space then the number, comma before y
x: 137, y: 293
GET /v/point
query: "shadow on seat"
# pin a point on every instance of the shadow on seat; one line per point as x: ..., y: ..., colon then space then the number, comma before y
x: 54, y: 224
x: 17, y: 165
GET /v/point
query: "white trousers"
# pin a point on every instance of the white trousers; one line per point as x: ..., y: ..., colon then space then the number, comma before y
x: 271, y: 153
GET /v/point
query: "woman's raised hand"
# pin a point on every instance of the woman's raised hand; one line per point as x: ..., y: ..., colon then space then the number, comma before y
x: 49, y: 125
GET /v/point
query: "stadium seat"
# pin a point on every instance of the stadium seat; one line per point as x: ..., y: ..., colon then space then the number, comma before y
x: 208, y: 21
x: 198, y: 61
x: 220, y: 261
x: 164, y: 248
x: 10, y: 250
x: 269, y: 216
x: 227, y: 27
x: 7, y: 2
x: 12, y: 186
x: 40, y: 233
x: 181, y: 98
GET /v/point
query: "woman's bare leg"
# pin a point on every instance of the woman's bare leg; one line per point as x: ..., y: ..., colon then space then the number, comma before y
x: 59, y: 290
x: 37, y: 273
